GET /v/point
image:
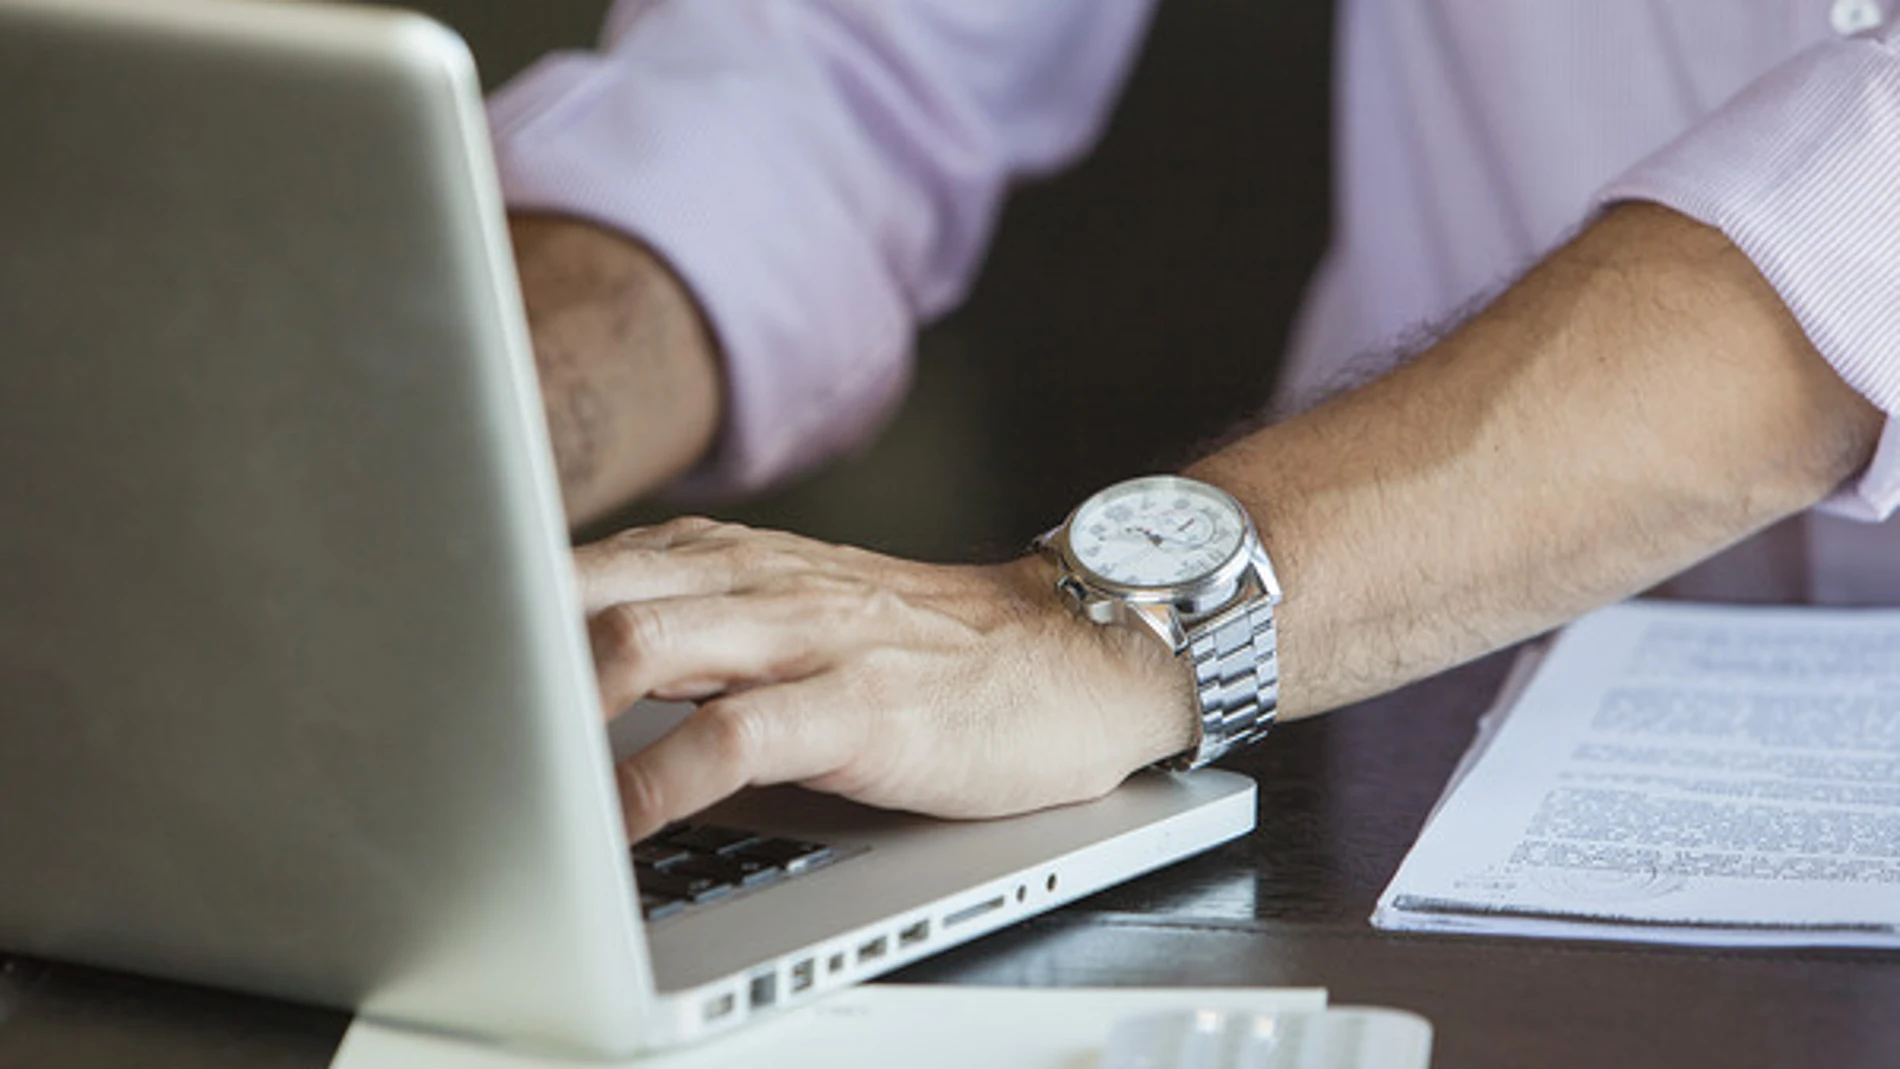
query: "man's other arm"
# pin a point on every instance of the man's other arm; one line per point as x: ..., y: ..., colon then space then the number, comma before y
x: 732, y: 217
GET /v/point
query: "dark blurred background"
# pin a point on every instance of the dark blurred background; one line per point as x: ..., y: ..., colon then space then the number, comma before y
x: 1130, y: 309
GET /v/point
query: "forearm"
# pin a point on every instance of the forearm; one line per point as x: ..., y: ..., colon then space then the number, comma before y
x: 1634, y: 404
x: 822, y: 175
x: 629, y: 371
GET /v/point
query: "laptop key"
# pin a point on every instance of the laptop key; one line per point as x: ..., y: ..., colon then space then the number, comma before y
x: 655, y: 854
x: 710, y: 838
x: 743, y: 871
x: 673, y: 884
x: 792, y: 855
x: 654, y: 907
x: 686, y: 864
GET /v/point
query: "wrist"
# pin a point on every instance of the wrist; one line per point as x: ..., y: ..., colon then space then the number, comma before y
x: 1144, y: 692
x: 1179, y: 561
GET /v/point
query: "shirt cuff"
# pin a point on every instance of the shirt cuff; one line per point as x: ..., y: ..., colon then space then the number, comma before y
x: 1801, y: 171
x: 814, y: 333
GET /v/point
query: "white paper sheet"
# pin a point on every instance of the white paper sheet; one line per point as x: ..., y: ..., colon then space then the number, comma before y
x: 1686, y: 774
x: 919, y: 1027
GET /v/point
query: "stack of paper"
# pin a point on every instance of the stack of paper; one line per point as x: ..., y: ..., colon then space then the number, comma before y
x: 1682, y: 774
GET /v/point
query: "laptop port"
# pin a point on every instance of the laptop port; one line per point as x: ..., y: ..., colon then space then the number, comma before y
x: 718, y: 1006
x: 872, y: 950
x: 914, y: 934
x: 803, y: 974
x: 970, y: 913
x: 764, y: 990
x: 836, y: 964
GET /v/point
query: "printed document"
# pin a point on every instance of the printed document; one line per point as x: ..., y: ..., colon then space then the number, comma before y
x: 1679, y: 773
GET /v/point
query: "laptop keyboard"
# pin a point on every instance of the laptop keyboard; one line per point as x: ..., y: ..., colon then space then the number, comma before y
x: 689, y: 864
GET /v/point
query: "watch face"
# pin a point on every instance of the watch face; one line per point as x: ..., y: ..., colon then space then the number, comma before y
x: 1159, y: 531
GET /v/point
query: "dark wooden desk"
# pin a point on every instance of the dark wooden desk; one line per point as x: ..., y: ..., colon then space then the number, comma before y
x: 1341, y: 800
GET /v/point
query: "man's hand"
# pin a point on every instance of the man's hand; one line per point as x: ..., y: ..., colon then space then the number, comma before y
x: 629, y: 371
x: 956, y: 691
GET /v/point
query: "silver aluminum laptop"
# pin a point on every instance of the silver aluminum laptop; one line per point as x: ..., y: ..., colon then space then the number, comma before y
x: 294, y: 688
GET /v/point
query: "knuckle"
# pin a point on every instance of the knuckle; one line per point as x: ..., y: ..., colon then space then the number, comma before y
x: 881, y: 604
x: 684, y: 531
x: 630, y: 631
x: 630, y: 538
x: 689, y: 525
x: 844, y: 604
x: 734, y: 729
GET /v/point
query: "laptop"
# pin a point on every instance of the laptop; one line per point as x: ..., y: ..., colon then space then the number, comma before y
x: 295, y: 695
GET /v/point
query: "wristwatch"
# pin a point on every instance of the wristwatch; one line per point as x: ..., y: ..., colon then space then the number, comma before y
x: 1181, y: 560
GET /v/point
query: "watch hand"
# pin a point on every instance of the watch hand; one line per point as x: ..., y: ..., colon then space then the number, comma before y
x: 1144, y: 534
x: 1172, y: 540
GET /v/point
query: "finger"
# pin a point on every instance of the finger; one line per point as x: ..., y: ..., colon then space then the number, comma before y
x: 778, y: 734
x: 609, y: 577
x: 677, y: 531
x: 643, y: 562
x: 695, y: 556
x: 697, y: 646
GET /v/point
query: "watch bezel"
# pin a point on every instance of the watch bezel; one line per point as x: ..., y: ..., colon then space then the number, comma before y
x: 1203, y: 594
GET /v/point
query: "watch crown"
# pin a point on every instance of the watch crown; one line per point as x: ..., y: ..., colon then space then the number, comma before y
x: 1071, y: 587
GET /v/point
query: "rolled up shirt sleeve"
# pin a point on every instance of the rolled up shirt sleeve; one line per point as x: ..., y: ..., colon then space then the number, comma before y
x: 1801, y: 171
x: 823, y: 175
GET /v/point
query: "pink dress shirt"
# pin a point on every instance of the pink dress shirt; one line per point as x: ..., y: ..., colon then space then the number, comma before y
x: 824, y: 174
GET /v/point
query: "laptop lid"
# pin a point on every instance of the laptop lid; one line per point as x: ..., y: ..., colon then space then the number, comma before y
x: 293, y: 690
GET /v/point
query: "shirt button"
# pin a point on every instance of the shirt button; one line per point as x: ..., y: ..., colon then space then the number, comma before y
x: 1853, y: 16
